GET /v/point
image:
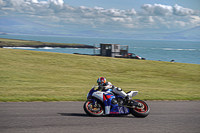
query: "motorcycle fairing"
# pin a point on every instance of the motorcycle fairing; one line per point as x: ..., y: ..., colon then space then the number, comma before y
x: 106, y: 98
x: 132, y: 93
x: 89, y: 95
x: 99, y: 95
x: 119, y: 110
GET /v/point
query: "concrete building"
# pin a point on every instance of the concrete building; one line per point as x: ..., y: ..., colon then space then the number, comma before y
x: 113, y: 50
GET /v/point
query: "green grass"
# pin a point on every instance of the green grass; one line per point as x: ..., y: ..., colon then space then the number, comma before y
x: 24, y: 43
x: 42, y: 76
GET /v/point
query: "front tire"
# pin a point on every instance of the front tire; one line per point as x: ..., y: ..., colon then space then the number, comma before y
x: 92, y: 110
x: 142, y: 111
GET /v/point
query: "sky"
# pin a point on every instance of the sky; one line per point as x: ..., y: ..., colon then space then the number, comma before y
x: 135, y: 16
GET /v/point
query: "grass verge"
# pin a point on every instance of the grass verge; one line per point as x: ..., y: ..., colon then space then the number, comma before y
x: 25, y: 43
x: 42, y: 76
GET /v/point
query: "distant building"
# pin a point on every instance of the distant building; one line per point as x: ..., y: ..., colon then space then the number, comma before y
x: 113, y: 50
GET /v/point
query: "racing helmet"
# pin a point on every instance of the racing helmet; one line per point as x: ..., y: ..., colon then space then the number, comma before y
x: 101, y: 80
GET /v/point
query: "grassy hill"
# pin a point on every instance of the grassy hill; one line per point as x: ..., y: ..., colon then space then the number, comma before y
x: 42, y: 76
x: 25, y: 43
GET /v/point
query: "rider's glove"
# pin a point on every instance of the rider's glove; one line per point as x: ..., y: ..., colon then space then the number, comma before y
x: 100, y: 88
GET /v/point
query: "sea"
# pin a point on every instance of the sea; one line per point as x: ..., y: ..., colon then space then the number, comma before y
x: 157, y: 50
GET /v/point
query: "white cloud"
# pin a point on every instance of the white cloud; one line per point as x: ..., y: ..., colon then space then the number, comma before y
x: 34, y: 1
x: 163, y: 10
x: 1, y: 2
x: 57, y: 2
x: 179, y: 10
x: 57, y: 12
x: 157, y: 9
x: 131, y: 12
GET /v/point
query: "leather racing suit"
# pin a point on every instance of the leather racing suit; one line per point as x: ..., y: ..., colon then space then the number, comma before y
x: 109, y: 87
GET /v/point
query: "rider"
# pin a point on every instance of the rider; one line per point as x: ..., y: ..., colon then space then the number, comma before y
x: 104, y: 85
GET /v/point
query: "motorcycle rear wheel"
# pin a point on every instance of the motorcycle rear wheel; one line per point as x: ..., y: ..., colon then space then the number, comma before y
x: 91, y: 110
x: 142, y: 111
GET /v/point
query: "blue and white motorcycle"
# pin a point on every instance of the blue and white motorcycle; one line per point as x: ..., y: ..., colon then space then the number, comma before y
x: 106, y: 102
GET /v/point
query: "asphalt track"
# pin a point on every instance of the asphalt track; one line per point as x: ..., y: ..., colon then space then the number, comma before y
x: 69, y: 117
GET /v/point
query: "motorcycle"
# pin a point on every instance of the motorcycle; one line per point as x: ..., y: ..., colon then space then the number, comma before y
x: 106, y: 102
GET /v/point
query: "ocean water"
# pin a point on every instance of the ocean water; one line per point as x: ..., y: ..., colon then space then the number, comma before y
x: 158, y: 50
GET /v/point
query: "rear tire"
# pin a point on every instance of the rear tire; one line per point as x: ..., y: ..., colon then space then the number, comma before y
x: 142, y: 111
x: 91, y: 110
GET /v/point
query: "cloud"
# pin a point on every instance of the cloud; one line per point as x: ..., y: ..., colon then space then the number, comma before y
x: 163, y: 10
x: 181, y: 11
x: 157, y: 9
x: 156, y: 16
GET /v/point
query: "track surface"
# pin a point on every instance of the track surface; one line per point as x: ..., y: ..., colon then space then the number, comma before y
x: 69, y: 117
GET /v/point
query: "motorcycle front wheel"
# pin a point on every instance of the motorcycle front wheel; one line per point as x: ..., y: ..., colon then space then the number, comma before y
x: 93, y: 110
x: 140, y: 111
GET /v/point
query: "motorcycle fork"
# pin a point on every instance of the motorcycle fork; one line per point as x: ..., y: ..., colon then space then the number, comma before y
x: 94, y: 103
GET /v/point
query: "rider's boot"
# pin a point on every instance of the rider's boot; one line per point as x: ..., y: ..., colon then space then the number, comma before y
x: 128, y: 101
